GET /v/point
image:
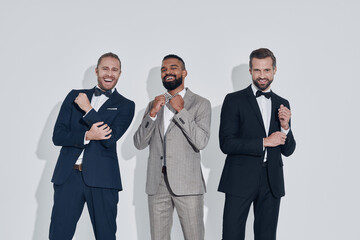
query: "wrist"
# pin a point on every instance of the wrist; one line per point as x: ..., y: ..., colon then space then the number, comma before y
x: 88, y: 109
x: 265, y: 142
x: 152, y: 113
x: 285, y: 126
x: 87, y: 136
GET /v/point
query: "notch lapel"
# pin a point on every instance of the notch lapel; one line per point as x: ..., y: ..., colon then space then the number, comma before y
x: 90, y: 93
x: 160, y: 116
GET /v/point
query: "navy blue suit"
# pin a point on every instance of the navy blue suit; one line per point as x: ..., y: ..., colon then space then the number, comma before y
x: 100, y: 164
x: 244, y: 175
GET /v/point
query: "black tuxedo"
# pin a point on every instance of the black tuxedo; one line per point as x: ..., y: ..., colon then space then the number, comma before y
x: 241, y: 137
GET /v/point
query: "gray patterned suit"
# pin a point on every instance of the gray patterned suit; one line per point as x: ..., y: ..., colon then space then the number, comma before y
x: 179, y: 148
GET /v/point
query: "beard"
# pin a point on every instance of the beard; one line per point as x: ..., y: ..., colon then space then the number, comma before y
x: 262, y: 87
x: 173, y: 84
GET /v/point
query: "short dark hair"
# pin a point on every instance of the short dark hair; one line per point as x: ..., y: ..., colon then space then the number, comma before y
x: 176, y: 57
x: 262, y: 53
x: 109, y: 54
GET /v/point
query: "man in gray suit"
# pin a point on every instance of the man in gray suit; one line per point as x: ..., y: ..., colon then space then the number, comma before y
x: 176, y: 126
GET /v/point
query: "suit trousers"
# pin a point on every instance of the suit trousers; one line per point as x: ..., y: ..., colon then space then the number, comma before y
x: 190, y: 209
x: 69, y: 200
x: 266, y: 212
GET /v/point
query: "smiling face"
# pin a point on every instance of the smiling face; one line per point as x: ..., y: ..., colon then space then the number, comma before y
x: 108, y: 73
x: 172, y: 74
x: 262, y: 72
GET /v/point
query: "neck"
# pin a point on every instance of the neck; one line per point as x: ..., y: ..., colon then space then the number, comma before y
x: 176, y: 90
x: 103, y: 89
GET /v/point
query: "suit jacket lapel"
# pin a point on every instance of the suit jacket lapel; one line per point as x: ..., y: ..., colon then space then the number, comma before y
x: 160, y: 116
x: 274, y: 115
x: 90, y: 93
x: 113, y: 98
x: 255, y: 107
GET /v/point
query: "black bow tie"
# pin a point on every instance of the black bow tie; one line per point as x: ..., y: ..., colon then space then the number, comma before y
x: 98, y: 92
x: 266, y: 94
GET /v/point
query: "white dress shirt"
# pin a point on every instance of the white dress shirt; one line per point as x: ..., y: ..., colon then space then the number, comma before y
x: 96, y: 103
x: 265, y: 109
x: 168, y: 114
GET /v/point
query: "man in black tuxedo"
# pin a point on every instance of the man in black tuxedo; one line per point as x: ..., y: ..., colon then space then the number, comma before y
x: 254, y: 133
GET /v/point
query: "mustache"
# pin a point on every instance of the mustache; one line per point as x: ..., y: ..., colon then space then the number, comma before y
x: 258, y: 79
x: 169, y: 75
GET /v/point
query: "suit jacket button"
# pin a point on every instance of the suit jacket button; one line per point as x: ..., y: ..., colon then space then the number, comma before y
x: 161, y: 157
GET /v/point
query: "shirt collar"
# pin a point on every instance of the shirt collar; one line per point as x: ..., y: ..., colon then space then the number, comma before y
x: 181, y: 93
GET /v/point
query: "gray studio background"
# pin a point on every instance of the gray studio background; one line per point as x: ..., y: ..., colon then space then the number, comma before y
x: 49, y: 47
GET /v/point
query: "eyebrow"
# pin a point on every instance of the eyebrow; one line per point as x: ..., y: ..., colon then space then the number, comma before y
x: 172, y: 65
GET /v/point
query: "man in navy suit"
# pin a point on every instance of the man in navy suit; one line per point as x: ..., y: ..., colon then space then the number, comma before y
x: 254, y: 133
x: 88, y: 126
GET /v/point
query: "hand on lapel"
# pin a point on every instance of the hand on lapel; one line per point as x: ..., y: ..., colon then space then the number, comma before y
x: 177, y: 103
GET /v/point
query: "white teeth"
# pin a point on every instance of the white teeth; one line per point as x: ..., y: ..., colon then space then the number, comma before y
x: 108, y: 80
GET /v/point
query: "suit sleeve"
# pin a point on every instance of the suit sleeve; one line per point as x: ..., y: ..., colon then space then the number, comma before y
x: 63, y: 135
x: 143, y: 134
x: 119, y: 125
x: 196, y: 128
x: 230, y: 131
x: 289, y: 147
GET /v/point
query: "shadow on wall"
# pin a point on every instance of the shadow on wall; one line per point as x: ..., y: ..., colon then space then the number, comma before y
x: 213, y: 159
x: 46, y: 151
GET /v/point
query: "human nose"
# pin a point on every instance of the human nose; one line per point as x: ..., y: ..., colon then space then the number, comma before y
x: 110, y: 73
x: 262, y: 74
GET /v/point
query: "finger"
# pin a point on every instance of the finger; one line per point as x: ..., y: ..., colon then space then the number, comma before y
x: 107, y: 137
x: 97, y: 124
x: 108, y: 131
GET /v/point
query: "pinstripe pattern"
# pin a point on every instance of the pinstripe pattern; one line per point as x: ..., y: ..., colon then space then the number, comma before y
x: 186, y: 135
x: 180, y: 146
x: 189, y: 209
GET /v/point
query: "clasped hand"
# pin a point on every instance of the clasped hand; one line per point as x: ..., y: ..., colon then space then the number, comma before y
x: 98, y: 131
x: 83, y: 102
x: 284, y: 116
x: 177, y: 102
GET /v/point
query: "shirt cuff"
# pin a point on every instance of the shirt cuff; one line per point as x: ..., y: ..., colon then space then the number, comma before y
x: 88, y: 112
x: 153, y: 118
x: 285, y: 131
x: 86, y: 141
x: 263, y: 144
